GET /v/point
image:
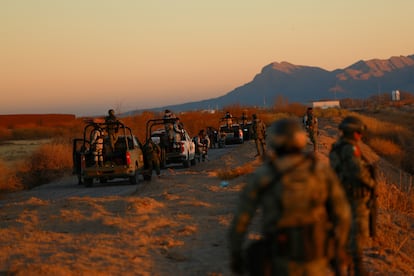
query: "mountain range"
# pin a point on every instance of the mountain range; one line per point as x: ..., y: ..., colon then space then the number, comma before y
x: 303, y: 84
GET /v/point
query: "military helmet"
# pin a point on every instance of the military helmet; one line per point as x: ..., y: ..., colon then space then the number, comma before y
x: 111, y: 112
x: 287, y: 135
x: 352, y: 124
x: 254, y: 116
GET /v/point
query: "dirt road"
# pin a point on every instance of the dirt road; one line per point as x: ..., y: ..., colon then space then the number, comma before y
x: 174, y: 225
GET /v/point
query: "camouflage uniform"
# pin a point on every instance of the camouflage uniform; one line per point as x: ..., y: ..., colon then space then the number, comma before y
x: 303, y: 208
x: 112, y: 130
x: 311, y: 125
x: 152, y: 153
x: 259, y: 135
x: 356, y: 177
x: 97, y: 146
x: 202, y: 143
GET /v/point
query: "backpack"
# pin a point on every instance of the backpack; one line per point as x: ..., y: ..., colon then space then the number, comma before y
x: 302, y: 229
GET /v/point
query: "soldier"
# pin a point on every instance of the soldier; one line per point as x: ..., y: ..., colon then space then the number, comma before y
x: 303, y: 208
x: 97, y: 145
x: 112, y: 129
x: 202, y: 142
x: 311, y: 125
x: 169, y: 119
x: 358, y: 179
x: 229, y: 119
x: 152, y: 153
x: 259, y: 135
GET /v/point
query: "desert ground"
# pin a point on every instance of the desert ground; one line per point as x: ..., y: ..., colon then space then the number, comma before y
x: 174, y: 225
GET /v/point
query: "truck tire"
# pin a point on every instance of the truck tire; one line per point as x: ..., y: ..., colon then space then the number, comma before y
x: 80, y: 180
x: 163, y: 162
x: 88, y: 182
x: 134, y: 180
x: 186, y: 162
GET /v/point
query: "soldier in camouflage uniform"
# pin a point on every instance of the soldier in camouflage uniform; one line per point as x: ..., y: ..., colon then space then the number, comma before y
x: 112, y: 128
x: 358, y: 179
x: 310, y: 123
x: 304, y: 208
x: 152, y: 155
x: 259, y: 135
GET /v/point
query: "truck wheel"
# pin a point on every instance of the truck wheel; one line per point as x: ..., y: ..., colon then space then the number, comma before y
x: 186, y: 162
x: 88, y: 182
x: 80, y: 180
x: 193, y: 161
x: 134, y: 180
x: 163, y: 162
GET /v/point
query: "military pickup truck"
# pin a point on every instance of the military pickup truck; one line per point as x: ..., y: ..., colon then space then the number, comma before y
x: 180, y: 149
x: 124, y: 159
x: 230, y: 133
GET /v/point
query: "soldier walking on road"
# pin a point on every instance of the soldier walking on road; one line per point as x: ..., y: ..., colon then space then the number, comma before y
x: 358, y: 179
x: 152, y: 154
x: 303, y: 208
x: 311, y: 125
x: 259, y: 135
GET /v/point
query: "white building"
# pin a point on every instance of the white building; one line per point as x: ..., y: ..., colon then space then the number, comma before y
x: 326, y: 104
x: 395, y: 95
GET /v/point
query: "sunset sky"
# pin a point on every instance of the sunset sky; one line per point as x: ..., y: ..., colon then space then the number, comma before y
x: 85, y: 56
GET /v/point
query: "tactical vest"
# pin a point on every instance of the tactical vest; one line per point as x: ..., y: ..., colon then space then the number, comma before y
x: 353, y: 189
x: 301, y: 232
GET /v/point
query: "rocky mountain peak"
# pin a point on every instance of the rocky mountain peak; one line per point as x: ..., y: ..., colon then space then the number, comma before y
x: 364, y: 70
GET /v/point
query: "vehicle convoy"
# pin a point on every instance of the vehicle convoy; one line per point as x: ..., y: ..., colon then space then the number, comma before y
x: 229, y: 133
x: 176, y: 146
x: 124, y: 160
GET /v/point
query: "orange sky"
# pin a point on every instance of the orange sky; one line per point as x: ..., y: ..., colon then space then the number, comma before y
x: 83, y: 57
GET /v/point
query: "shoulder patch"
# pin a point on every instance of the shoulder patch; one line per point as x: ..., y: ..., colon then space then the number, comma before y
x: 357, y: 151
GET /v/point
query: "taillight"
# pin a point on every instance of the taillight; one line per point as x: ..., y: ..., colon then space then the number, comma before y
x: 128, y: 158
x: 182, y: 147
x: 240, y: 133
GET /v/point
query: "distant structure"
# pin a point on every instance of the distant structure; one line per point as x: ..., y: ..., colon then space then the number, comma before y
x: 395, y: 95
x: 326, y: 104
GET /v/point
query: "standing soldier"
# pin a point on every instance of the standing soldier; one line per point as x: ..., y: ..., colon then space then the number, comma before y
x: 311, y: 125
x: 229, y: 119
x: 152, y: 153
x: 202, y: 142
x: 358, y: 179
x: 259, y: 135
x: 112, y: 129
x: 97, y: 145
x: 304, y: 208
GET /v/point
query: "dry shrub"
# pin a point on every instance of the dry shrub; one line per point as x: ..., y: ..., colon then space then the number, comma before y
x: 331, y: 112
x: 8, y: 179
x: 385, y: 147
x: 49, y: 162
x: 31, y: 133
x: 5, y: 134
x: 390, y: 197
x: 231, y: 173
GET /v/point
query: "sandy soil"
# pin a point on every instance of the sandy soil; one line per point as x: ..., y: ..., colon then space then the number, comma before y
x: 174, y: 225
